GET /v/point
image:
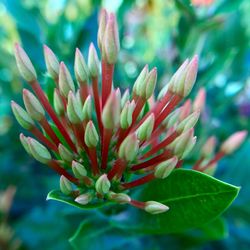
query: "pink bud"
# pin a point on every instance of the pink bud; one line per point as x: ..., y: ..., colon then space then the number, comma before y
x: 185, y: 110
x: 208, y: 147
x: 233, y: 142
x: 102, y: 26
x: 51, y: 61
x: 200, y: 100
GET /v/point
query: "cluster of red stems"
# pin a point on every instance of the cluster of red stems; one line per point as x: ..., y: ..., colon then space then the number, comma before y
x: 100, y: 155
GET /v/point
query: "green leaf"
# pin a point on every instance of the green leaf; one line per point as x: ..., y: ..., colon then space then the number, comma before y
x: 57, y: 195
x: 194, y: 199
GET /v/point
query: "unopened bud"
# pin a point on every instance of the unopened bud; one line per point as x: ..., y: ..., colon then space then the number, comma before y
x: 91, y: 136
x: 78, y: 169
x: 66, y: 83
x: 125, y: 97
x: 154, y: 207
x: 111, y: 110
x: 87, y: 109
x: 25, y: 67
x: 93, y: 61
x: 103, y: 17
x: 22, y: 116
x: 111, y: 39
x: 51, y: 61
x: 233, y: 142
x: 172, y: 119
x: 129, y: 148
x: 38, y: 151
x: 65, y: 185
x: 103, y: 184
x: 120, y: 198
x: 126, y: 114
x: 150, y: 83
x: 74, y: 109
x: 80, y: 67
x: 140, y: 81
x: 145, y: 130
x: 84, y: 199
x: 162, y: 92
x: 188, y: 122
x: 58, y: 104
x: 209, y: 147
x: 33, y: 106
x: 164, y: 169
x: 199, y: 101
x: 210, y: 170
x: 24, y: 141
x: 65, y: 154
x: 185, y: 110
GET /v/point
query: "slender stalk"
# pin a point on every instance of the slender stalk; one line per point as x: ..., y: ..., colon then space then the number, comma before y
x: 97, y: 102
x: 117, y: 169
x: 216, y: 158
x: 107, y: 135
x: 138, y: 182
x: 93, y: 158
x: 138, y: 204
x: 198, y: 163
x: 84, y: 91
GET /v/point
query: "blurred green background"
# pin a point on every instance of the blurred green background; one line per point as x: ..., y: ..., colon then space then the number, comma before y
x: 161, y: 33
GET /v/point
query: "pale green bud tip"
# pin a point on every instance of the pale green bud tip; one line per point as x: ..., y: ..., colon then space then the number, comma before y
x: 24, y: 141
x: 65, y: 80
x: 125, y: 97
x: 165, y: 168
x: 93, y: 61
x: 188, y: 122
x: 84, y: 199
x: 208, y: 148
x: 129, y: 148
x: 185, y: 110
x: 80, y: 67
x: 111, y: 110
x: 154, y: 207
x: 103, y: 184
x: 111, y: 39
x: 22, y: 116
x: 150, y: 84
x: 140, y: 81
x: 145, y: 130
x: 200, y: 100
x: 78, y: 169
x: 24, y: 64
x: 74, y: 109
x: 58, y: 104
x: 65, y: 185
x: 120, y: 198
x: 233, y: 142
x: 87, y: 109
x: 33, y: 106
x: 65, y: 154
x: 38, y: 151
x: 103, y: 17
x: 91, y: 136
x: 51, y: 61
x: 127, y: 114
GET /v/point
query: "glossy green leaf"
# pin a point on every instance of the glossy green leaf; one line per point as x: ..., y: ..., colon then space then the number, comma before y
x: 57, y: 195
x: 194, y: 199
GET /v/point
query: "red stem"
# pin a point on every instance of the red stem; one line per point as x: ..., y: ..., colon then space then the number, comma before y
x: 117, y: 169
x: 93, y: 158
x: 107, y: 134
x: 84, y: 92
x: 107, y: 77
x: 138, y: 182
x: 138, y: 204
x: 35, y: 131
x: 43, y: 99
x: 198, y: 163
x: 216, y: 158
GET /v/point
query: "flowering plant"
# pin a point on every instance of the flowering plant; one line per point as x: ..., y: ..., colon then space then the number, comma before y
x: 105, y: 144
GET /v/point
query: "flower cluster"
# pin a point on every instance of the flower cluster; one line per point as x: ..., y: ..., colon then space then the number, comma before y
x: 104, y: 143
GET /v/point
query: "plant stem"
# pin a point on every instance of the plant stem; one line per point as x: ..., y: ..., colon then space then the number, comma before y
x: 138, y: 182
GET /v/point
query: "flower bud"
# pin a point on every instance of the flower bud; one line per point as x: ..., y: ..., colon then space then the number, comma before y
x: 103, y: 184
x: 172, y: 119
x: 164, y: 169
x: 126, y: 114
x: 120, y: 198
x: 22, y: 116
x: 87, y: 109
x: 111, y: 110
x: 189, y: 147
x: 25, y: 67
x: 125, y: 97
x: 74, y: 109
x: 66, y: 83
x: 58, y: 104
x: 150, y: 83
x: 210, y: 170
x: 233, y: 142
x: 24, y: 141
x: 93, y: 61
x: 80, y: 67
x: 129, y: 148
x: 154, y: 207
x: 111, y: 41
x: 199, y: 101
x: 91, y: 136
x: 103, y: 17
x: 38, y: 151
x: 140, y: 81
x: 84, y: 199
x: 145, y: 130
x: 65, y: 185
x: 65, y: 154
x: 162, y: 92
x: 33, y: 106
x: 185, y: 110
x: 78, y: 169
x: 209, y: 147
x: 188, y: 122
x: 51, y: 61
